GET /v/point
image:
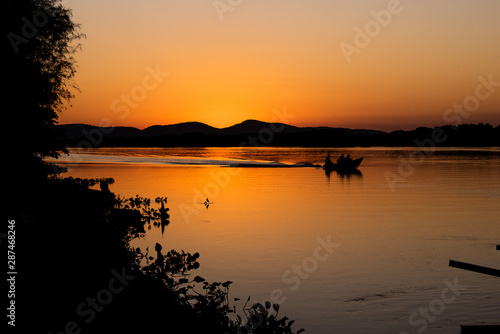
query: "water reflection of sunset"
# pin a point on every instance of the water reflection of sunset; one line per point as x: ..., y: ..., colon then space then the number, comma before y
x: 225, y: 165
x: 263, y: 223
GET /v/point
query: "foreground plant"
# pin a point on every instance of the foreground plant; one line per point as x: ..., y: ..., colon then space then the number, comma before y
x: 143, y: 204
x: 210, y: 301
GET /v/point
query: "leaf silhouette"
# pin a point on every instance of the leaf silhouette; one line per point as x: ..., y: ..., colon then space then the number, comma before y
x: 158, y: 247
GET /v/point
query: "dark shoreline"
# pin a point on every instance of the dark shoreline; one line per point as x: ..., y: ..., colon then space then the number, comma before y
x: 78, y: 273
x: 261, y: 135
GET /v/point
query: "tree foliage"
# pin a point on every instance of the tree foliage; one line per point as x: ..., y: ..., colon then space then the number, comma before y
x: 40, y: 40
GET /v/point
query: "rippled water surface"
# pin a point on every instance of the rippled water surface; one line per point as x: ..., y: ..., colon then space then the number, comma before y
x: 360, y: 253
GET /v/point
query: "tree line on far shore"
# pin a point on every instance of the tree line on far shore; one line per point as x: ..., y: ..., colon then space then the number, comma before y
x: 255, y: 133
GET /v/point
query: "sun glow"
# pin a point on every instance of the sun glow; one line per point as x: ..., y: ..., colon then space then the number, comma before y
x: 269, y: 55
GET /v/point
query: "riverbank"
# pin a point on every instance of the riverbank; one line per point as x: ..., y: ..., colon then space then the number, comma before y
x: 66, y: 252
x: 76, y: 271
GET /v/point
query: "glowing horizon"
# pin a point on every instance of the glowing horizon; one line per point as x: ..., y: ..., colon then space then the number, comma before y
x: 381, y: 65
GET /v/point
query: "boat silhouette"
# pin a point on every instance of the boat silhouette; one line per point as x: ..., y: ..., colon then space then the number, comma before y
x: 343, y: 165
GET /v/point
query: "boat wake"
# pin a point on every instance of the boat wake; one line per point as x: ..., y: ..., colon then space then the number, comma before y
x: 174, y: 161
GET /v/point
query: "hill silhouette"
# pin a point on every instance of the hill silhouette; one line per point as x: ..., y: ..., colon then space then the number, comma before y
x: 179, y: 129
x: 258, y: 133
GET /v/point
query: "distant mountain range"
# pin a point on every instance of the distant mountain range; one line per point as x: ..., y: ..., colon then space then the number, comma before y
x: 257, y: 133
x: 246, y: 127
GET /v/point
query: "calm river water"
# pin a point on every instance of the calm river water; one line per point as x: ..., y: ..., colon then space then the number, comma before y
x: 365, y: 253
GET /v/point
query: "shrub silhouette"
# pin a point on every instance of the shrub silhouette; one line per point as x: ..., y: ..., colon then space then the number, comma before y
x: 38, y: 78
x: 209, y: 307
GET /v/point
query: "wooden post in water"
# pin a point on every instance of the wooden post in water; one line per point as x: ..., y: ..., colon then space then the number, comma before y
x: 474, y: 329
x: 481, y: 329
x: 475, y: 268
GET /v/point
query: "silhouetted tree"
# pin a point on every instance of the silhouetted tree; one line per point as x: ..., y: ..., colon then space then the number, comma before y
x: 39, y: 40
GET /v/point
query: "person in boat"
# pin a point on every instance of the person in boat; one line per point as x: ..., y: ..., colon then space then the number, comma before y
x: 328, y: 161
x: 341, y: 159
x: 348, y: 157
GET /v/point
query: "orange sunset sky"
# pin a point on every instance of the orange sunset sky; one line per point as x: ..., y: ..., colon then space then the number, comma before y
x: 362, y: 64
